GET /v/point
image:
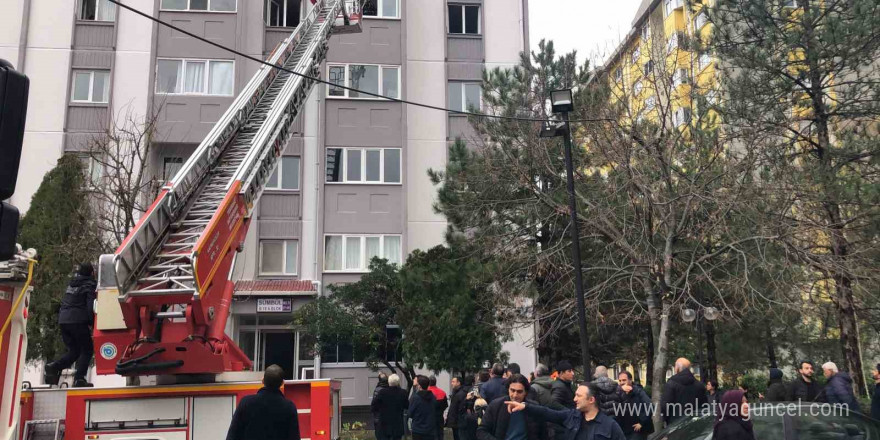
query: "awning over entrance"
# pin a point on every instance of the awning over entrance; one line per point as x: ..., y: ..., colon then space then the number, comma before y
x: 275, y: 288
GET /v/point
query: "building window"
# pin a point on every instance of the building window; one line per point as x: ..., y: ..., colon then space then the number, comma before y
x: 286, y: 175
x: 391, y: 350
x: 650, y: 103
x: 712, y: 97
x: 672, y: 42
x: 199, y: 5
x: 93, y: 170
x: 681, y: 116
x: 97, y: 10
x: 700, y: 21
x: 464, y: 19
x: 340, y: 353
x: 646, y: 32
x: 363, y: 165
x: 375, y: 79
x: 648, y: 67
x: 278, y: 257
x: 703, y: 61
x: 789, y: 3
x: 91, y: 86
x: 282, y: 13
x: 170, y: 167
x: 464, y: 96
x: 680, y: 77
x: 353, y: 253
x: 618, y: 74
x: 195, y: 77
x: 381, y: 8
x: 635, y: 55
x: 637, y: 88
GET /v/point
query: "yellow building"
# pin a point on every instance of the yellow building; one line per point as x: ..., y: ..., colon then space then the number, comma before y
x: 659, y: 69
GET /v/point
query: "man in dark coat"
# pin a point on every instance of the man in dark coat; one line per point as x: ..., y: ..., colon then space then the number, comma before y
x: 875, y: 398
x: 683, y: 394
x: 440, y: 406
x: 494, y: 387
x: 499, y: 424
x: 421, y: 411
x: 804, y: 388
x: 76, y: 318
x: 460, y: 389
x: 635, y: 418
x: 383, y: 383
x: 775, y: 388
x: 609, y: 391
x: 541, y: 391
x: 562, y: 391
x: 839, y: 388
x: 389, y: 405
x: 267, y: 415
x: 584, y: 422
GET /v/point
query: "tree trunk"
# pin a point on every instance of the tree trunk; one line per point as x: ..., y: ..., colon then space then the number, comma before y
x: 849, y: 333
x: 711, y: 358
x: 660, y: 360
x: 771, y: 350
x: 649, y: 364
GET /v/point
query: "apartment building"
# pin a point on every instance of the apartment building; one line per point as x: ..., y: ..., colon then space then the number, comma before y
x: 352, y: 183
x: 655, y: 71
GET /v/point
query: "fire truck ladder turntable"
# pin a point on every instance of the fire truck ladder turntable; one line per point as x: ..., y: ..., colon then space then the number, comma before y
x: 172, y: 270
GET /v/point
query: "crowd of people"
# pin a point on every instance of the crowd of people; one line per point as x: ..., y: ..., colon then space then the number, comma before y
x: 503, y: 404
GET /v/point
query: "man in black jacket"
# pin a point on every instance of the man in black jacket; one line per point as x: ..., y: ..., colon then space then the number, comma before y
x: 381, y: 384
x: 634, y: 416
x: 683, y: 394
x: 561, y: 390
x: 775, y: 388
x: 804, y: 388
x: 584, y: 422
x: 609, y: 391
x: 459, y: 395
x: 75, y: 318
x: 499, y: 424
x: 267, y: 415
x: 421, y: 411
x: 388, y: 406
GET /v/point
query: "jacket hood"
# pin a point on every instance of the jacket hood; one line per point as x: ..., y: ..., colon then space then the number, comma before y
x: 425, y: 395
x: 544, y: 381
x: 79, y: 280
x: 684, y: 378
x: 606, y: 385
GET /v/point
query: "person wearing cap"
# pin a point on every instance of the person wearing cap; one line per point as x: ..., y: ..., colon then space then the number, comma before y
x: 775, y: 388
x: 76, y: 317
x: 562, y: 391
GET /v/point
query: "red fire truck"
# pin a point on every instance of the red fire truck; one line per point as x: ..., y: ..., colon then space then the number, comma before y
x: 164, y: 296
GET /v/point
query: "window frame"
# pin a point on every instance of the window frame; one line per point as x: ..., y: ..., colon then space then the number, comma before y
x: 90, y: 164
x: 636, y: 54
x: 379, y: 9
x: 672, y: 42
x: 681, y: 77
x: 464, y: 85
x: 171, y: 160
x: 279, y: 168
x: 347, y: 78
x: 285, y: 242
x: 181, y: 80
x: 650, y: 103
x: 363, y: 267
x: 686, y: 113
x: 189, y: 8
x: 464, y: 19
x: 704, y: 60
x: 618, y: 74
x: 91, y: 97
x: 283, y: 15
x: 700, y: 21
x: 669, y: 6
x: 637, y: 87
x: 81, y: 3
x: 344, y: 164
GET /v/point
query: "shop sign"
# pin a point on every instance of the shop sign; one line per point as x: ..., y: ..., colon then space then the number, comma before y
x: 274, y: 305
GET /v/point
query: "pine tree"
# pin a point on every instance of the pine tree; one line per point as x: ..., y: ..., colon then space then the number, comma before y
x: 60, y: 226
x: 802, y: 87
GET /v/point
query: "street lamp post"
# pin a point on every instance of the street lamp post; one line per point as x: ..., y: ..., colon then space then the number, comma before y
x: 562, y: 101
x: 691, y: 315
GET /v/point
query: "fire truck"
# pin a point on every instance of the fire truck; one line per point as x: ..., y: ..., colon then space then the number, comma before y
x: 164, y: 296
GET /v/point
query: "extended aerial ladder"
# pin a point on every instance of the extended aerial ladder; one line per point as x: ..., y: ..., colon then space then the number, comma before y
x: 164, y: 295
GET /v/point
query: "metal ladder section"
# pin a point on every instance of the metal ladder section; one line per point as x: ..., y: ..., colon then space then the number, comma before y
x: 157, y: 257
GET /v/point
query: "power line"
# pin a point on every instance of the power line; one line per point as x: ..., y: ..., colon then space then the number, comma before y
x: 282, y: 68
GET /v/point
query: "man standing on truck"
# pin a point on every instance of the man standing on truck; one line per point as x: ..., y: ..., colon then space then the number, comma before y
x: 267, y: 415
x: 76, y: 318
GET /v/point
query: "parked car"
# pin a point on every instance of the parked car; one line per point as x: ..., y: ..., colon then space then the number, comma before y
x: 782, y: 425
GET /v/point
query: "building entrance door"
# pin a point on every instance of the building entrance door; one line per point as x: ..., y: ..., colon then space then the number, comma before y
x: 278, y: 349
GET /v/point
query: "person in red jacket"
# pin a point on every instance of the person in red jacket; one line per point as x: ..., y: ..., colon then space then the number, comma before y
x: 440, y: 406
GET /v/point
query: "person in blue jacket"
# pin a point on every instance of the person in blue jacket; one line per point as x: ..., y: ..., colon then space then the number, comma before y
x: 584, y: 422
x: 839, y: 388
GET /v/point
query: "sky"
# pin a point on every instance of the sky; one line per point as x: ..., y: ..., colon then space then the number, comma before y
x: 593, y: 27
